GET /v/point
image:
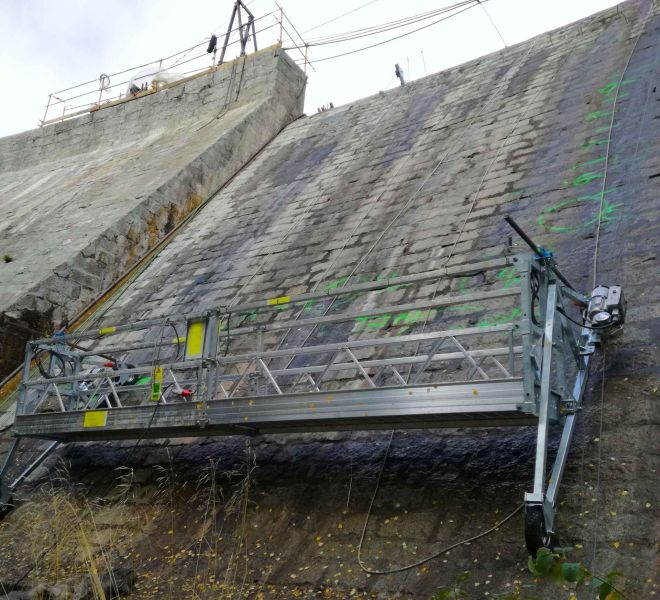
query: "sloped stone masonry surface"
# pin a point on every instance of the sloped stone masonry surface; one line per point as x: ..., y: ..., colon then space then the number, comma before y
x: 522, y: 131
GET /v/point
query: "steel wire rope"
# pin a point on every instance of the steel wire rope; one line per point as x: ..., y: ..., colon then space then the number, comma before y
x: 389, y: 26
x: 161, y: 60
x: 158, y: 344
x: 492, y: 22
x: 345, y: 242
x: 439, y: 163
x: 607, y: 148
x: 408, y: 157
x: 206, y: 39
x: 377, y: 487
x: 475, y: 197
x: 433, y: 556
x: 482, y: 534
x: 595, y: 274
x: 197, y: 70
x: 340, y: 16
x: 297, y: 47
x: 508, y: 517
x: 392, y: 38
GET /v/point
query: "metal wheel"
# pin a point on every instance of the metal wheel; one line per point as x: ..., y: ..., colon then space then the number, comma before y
x: 536, y: 535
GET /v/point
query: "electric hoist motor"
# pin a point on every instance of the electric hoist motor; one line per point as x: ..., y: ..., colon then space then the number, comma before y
x: 607, y: 307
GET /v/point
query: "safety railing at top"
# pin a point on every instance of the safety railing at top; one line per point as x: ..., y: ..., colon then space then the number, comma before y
x: 141, y: 80
x: 240, y: 351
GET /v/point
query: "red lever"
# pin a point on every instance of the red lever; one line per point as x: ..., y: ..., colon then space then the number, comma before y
x: 186, y: 393
x: 109, y: 364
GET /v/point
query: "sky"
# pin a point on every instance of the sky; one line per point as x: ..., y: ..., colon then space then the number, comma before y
x: 47, y: 46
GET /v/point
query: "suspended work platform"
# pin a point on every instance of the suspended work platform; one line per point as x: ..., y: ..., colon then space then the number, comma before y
x: 98, y: 385
x: 504, y: 353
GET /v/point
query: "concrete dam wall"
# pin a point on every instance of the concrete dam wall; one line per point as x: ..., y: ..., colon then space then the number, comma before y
x: 563, y: 133
x: 84, y: 199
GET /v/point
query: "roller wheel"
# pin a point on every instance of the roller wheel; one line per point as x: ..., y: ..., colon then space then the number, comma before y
x: 536, y: 535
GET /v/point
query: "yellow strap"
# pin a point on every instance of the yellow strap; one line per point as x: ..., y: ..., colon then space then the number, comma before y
x: 280, y: 300
x: 107, y: 330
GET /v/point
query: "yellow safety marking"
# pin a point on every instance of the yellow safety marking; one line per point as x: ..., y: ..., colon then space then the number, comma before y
x: 200, y: 405
x: 107, y: 330
x: 195, y: 339
x: 95, y: 418
x: 157, y: 383
x: 280, y: 300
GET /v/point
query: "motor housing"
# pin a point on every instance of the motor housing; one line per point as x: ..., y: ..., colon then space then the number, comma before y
x: 607, y: 307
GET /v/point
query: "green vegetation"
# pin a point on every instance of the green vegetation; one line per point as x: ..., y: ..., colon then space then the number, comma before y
x: 551, y: 565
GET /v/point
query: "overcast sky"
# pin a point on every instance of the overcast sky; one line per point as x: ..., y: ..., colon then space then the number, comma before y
x: 46, y: 46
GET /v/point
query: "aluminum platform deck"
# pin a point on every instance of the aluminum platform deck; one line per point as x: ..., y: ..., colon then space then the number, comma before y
x: 492, y: 403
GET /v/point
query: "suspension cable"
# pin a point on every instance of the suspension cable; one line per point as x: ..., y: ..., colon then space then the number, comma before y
x: 607, y: 151
x: 507, y: 518
x: 340, y: 16
x: 395, y: 37
x: 383, y: 27
x: 595, y: 275
x: 431, y: 557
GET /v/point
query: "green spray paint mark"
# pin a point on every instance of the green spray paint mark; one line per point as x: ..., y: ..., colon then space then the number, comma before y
x: 404, y: 320
x: 606, y: 128
x: 462, y: 308
x: 586, y: 178
x: 609, y: 88
x: 606, y: 215
x: 501, y: 318
x: 597, y: 114
x: 510, y: 276
x: 621, y: 96
x: 578, y: 166
x: 591, y: 143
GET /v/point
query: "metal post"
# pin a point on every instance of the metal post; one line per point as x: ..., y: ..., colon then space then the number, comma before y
x: 544, y: 400
x: 50, y: 96
x: 211, y: 357
x: 564, y: 446
x: 23, y: 398
x: 524, y: 267
x: 231, y: 24
x: 9, y: 457
x: 37, y: 461
x: 281, y: 23
x: 306, y: 47
x: 241, y: 34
